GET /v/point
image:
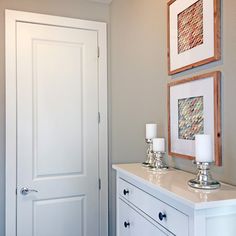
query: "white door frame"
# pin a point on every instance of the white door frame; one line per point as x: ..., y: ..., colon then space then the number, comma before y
x: 11, y: 18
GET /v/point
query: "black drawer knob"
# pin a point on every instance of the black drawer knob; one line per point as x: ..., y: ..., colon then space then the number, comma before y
x: 161, y: 216
x: 125, y: 192
x: 126, y: 224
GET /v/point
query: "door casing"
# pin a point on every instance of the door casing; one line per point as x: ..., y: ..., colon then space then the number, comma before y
x: 11, y: 18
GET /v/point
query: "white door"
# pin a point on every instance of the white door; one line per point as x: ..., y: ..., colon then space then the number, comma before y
x: 57, y: 131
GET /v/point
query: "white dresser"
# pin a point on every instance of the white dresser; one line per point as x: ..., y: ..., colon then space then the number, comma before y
x: 162, y: 203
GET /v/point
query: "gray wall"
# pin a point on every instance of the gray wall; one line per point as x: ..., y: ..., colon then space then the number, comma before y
x: 139, y: 77
x: 72, y: 8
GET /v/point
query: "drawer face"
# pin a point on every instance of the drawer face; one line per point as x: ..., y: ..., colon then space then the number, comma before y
x: 170, y: 218
x: 131, y: 223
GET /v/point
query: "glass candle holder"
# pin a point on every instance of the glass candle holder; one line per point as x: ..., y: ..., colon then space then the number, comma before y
x: 203, y: 179
x: 149, y: 156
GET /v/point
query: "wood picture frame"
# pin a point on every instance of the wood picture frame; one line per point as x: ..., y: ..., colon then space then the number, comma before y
x: 192, y: 43
x: 207, y: 87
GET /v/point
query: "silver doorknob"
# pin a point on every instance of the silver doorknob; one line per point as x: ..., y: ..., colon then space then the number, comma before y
x: 26, y: 191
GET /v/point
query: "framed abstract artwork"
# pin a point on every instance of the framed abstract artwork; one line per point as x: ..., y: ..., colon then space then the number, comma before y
x: 193, y: 33
x: 194, y: 108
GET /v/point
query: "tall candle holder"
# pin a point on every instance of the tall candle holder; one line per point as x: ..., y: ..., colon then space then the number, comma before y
x: 149, y: 156
x: 203, y: 179
x: 158, y: 163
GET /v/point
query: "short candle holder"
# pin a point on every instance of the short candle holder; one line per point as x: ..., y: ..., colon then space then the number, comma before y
x: 204, y: 179
x: 158, y: 163
x: 150, y: 159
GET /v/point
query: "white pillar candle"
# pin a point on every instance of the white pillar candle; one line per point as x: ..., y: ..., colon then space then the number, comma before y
x: 203, y: 148
x: 159, y: 145
x: 151, y: 131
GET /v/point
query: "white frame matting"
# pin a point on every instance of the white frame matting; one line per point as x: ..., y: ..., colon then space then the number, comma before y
x: 11, y: 18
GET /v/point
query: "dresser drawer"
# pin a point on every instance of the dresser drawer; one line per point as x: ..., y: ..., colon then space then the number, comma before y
x: 167, y: 216
x: 131, y: 223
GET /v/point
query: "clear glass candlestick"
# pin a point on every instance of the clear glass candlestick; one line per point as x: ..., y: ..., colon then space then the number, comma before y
x: 149, y: 156
x: 203, y: 179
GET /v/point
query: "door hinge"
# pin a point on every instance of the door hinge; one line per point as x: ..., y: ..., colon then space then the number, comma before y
x: 99, y: 184
x: 99, y: 117
x: 98, y: 52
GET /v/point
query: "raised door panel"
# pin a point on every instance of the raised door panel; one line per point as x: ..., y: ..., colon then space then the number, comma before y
x: 57, y: 103
x: 67, y: 214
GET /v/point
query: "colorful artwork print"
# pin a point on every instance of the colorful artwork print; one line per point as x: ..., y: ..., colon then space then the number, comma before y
x: 190, y: 27
x: 190, y: 117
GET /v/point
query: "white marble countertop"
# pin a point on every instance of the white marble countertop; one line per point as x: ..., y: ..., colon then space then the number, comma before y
x: 175, y: 183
